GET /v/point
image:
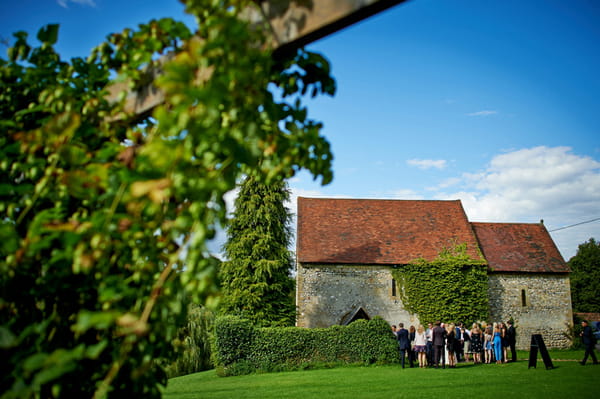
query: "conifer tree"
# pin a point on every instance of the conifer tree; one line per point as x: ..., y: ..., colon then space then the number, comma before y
x: 255, y: 277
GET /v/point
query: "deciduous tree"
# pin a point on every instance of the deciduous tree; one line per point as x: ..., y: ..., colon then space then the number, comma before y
x: 96, y: 203
x: 585, y: 277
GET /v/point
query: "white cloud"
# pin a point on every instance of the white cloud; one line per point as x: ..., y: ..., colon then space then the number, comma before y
x: 215, y: 246
x: 527, y: 185
x: 229, y: 199
x: 403, y: 194
x: 452, y: 181
x: 483, y: 113
x: 65, y: 3
x: 427, y: 163
x: 524, y: 185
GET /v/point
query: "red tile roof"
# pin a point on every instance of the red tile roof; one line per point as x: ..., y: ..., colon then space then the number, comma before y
x: 360, y: 231
x: 395, y: 232
x: 519, y: 247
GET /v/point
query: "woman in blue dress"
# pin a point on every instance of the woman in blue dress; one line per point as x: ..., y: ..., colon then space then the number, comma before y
x: 498, y: 343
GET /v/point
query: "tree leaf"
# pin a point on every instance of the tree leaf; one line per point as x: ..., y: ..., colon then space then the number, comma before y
x: 7, y: 338
x: 48, y: 34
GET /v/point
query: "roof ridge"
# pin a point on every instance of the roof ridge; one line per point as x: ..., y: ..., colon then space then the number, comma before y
x: 512, y: 223
x: 375, y: 199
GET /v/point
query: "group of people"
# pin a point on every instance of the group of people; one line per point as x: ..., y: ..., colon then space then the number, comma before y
x: 446, y: 344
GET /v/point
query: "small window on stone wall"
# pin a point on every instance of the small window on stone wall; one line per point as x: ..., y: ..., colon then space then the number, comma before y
x: 394, y: 288
x: 523, y: 298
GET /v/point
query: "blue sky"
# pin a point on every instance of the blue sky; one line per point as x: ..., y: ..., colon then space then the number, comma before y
x: 491, y: 102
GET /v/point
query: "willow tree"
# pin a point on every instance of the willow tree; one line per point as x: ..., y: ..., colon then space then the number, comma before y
x: 255, y: 279
x: 96, y: 203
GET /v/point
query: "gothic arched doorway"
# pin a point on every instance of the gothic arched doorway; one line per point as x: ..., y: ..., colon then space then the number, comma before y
x: 357, y: 314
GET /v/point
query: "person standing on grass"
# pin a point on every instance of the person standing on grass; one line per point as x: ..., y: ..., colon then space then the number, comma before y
x: 589, y: 340
x: 439, y: 338
x: 420, y: 346
x: 498, y: 343
x: 503, y: 330
x: 487, y: 344
x: 511, y: 338
x: 403, y: 344
x: 465, y: 340
x: 458, y: 346
x: 412, y: 332
x: 476, y: 344
x: 429, y: 347
x: 451, y: 344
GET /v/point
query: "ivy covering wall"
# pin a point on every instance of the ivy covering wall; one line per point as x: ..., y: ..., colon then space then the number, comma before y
x: 242, y: 348
x: 451, y: 288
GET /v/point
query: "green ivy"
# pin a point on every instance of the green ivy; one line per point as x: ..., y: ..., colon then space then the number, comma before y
x: 242, y: 348
x: 452, y: 287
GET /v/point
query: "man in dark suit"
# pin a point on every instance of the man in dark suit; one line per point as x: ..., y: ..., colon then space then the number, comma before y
x: 439, y: 338
x: 511, y: 339
x: 429, y: 347
x: 587, y: 338
x: 403, y: 344
x: 458, y: 331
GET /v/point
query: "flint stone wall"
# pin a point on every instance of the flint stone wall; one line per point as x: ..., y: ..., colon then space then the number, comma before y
x: 327, y: 295
x: 538, y: 303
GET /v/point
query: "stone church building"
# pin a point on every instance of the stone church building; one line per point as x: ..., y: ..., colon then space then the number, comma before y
x: 346, y: 249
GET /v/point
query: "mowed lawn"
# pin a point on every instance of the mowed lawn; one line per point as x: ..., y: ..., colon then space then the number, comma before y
x: 566, y: 380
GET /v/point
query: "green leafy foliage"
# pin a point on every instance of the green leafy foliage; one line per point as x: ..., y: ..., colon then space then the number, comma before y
x: 193, y: 343
x: 573, y: 333
x: 585, y: 277
x: 256, y: 277
x: 242, y: 348
x: 453, y: 287
x: 104, y: 216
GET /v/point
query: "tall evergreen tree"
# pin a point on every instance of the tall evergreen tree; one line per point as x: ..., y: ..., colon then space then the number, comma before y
x: 585, y: 277
x: 255, y: 278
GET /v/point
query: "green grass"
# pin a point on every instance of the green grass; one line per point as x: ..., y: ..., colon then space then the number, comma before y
x: 566, y: 380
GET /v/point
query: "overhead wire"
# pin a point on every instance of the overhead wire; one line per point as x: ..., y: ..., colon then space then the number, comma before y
x: 573, y: 225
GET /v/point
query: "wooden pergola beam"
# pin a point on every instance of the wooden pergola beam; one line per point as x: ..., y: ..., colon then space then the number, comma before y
x: 297, y: 23
x: 294, y: 23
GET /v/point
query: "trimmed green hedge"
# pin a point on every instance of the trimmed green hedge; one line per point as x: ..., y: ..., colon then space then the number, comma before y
x: 241, y: 348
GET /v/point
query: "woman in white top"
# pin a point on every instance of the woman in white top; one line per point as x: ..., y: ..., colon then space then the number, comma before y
x: 420, y: 346
x: 487, y: 344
